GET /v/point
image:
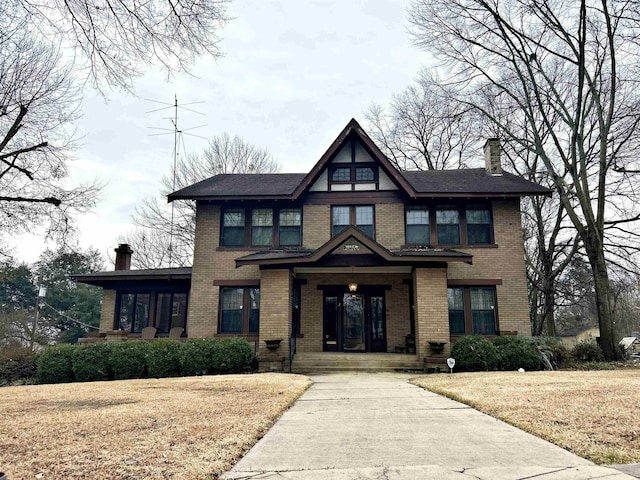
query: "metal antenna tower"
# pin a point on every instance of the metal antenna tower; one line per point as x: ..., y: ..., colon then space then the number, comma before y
x: 177, y: 140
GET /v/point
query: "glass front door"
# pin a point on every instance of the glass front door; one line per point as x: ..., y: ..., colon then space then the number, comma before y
x: 354, y: 322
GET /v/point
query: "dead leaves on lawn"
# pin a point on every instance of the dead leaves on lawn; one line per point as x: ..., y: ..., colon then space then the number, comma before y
x: 593, y: 414
x: 183, y: 428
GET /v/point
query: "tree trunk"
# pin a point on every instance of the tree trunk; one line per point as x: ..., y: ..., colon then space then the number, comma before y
x: 602, y: 285
x: 549, y: 324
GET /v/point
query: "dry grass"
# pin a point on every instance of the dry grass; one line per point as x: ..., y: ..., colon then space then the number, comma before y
x: 593, y: 414
x: 184, y: 428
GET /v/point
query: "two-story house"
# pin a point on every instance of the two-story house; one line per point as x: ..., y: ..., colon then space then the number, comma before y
x: 354, y: 256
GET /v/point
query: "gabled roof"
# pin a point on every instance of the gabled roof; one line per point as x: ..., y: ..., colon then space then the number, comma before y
x: 414, y: 184
x: 299, y: 257
x: 353, y: 129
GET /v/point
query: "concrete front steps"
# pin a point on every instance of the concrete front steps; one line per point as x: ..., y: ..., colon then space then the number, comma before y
x: 366, y: 362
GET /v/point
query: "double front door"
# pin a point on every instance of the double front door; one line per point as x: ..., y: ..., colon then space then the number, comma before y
x: 354, y: 322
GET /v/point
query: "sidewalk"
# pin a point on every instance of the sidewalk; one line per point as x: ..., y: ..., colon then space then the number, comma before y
x: 378, y: 426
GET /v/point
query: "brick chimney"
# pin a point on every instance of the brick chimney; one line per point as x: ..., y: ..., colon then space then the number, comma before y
x: 492, y: 156
x: 123, y: 257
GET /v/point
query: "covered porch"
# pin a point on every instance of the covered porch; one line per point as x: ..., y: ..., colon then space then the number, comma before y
x: 352, y: 302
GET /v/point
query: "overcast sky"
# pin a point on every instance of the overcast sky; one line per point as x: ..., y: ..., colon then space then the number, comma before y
x: 294, y: 73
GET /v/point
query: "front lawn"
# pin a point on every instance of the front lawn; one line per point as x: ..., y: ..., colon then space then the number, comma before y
x: 593, y: 414
x: 181, y: 428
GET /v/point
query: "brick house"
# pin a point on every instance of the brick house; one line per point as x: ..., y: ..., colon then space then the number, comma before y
x: 353, y: 257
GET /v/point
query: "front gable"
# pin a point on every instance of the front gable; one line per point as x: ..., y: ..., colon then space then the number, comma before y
x: 353, y: 163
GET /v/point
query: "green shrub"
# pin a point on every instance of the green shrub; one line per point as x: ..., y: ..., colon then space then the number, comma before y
x: 516, y: 352
x: 91, y: 362
x: 587, y: 351
x: 209, y: 356
x: 474, y: 353
x: 163, y: 358
x: 129, y: 359
x: 232, y: 355
x: 53, y: 364
x: 196, y: 356
x: 16, y: 363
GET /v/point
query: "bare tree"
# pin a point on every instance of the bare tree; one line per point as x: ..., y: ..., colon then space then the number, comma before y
x: 38, y: 101
x: 420, y: 130
x: 567, y: 69
x: 41, y: 82
x: 115, y: 41
x: 165, y: 237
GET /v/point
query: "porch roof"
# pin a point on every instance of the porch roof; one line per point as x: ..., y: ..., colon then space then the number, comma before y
x: 109, y: 279
x: 377, y: 252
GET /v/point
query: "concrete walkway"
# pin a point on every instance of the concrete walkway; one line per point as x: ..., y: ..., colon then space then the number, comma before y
x: 378, y: 426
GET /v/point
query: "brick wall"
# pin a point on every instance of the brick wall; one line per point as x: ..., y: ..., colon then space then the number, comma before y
x: 275, y: 311
x: 431, y: 308
x: 506, y: 263
x: 107, y: 310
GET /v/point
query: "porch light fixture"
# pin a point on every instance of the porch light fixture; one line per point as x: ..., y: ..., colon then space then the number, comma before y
x: 353, y: 287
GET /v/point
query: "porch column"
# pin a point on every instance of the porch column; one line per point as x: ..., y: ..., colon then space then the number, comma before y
x: 431, y: 311
x: 275, y: 317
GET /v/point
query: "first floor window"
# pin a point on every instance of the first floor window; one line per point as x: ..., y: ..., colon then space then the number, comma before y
x: 239, y: 310
x: 171, y: 311
x: 135, y: 312
x: 472, y: 310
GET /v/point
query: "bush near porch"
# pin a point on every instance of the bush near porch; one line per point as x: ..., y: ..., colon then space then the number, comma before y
x: 140, y: 359
x: 475, y: 353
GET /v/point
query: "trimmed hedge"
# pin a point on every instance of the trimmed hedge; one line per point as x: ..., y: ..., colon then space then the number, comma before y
x: 516, y: 352
x: 91, y: 362
x: 53, y: 364
x: 139, y: 359
x: 163, y: 358
x: 474, y: 353
x: 129, y: 360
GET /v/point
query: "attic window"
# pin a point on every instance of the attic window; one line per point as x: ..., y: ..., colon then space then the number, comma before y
x: 354, y: 173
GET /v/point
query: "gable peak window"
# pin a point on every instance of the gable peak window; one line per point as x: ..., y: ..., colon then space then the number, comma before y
x: 345, y: 175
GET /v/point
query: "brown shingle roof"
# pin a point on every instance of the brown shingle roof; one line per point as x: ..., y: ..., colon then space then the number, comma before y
x: 473, y: 181
x: 242, y: 185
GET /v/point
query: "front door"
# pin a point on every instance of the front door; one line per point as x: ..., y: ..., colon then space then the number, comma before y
x: 354, y: 322
x: 353, y: 332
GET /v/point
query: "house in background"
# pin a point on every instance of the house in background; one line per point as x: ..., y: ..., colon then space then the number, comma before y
x: 352, y: 257
x: 582, y: 333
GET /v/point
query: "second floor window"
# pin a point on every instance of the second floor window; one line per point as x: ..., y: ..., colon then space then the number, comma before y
x: 459, y: 224
x: 360, y: 216
x: 261, y: 227
x: 448, y: 226
x: 417, y: 228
